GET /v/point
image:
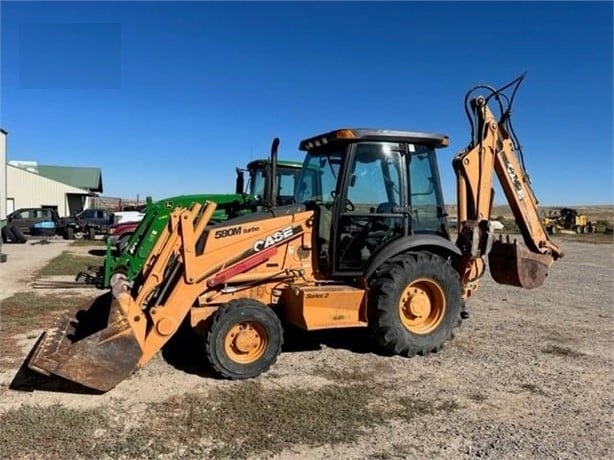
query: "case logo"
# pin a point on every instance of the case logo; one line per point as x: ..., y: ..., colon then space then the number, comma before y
x: 273, y: 239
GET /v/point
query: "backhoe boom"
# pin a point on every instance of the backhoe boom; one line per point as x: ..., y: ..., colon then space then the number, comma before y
x: 493, y: 149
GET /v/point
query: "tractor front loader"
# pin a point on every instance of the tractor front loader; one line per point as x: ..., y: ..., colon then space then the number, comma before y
x: 245, y: 200
x: 365, y: 244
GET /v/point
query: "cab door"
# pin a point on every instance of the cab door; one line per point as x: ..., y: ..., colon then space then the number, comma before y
x: 372, y: 205
x: 23, y: 220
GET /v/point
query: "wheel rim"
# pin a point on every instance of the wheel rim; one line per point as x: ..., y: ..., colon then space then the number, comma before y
x: 246, y: 342
x: 422, y: 306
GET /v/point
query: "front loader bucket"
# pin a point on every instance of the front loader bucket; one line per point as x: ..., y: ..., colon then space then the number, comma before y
x: 516, y: 266
x: 96, y: 348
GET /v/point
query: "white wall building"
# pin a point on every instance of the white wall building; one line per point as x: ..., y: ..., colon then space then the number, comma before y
x: 66, y: 189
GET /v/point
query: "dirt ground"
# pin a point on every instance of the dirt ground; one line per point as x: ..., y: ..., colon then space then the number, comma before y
x: 530, y: 375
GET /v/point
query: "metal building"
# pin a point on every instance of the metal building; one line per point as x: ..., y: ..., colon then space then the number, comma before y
x: 64, y: 188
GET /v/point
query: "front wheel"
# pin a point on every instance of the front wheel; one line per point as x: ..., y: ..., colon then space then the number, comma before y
x: 415, y: 304
x: 244, y: 339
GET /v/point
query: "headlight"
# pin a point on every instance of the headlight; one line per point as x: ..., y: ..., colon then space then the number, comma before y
x: 111, y: 231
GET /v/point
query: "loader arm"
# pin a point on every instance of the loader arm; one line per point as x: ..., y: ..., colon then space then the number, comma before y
x: 493, y: 150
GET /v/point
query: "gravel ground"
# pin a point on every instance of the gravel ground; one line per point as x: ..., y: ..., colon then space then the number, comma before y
x: 528, y: 376
x: 23, y: 260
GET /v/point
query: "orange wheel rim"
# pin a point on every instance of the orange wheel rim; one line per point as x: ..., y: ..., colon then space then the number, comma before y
x: 422, y: 306
x: 246, y: 342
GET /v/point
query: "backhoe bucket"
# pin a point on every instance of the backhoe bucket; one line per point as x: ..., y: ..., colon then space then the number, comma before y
x: 96, y: 348
x: 513, y: 265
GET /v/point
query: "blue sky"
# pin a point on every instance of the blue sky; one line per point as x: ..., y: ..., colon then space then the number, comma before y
x: 167, y: 98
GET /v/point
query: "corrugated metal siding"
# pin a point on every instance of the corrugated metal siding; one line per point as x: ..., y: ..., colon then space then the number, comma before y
x: 31, y: 190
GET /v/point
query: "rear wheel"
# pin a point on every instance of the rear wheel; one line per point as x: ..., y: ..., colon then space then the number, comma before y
x: 415, y: 304
x: 244, y: 339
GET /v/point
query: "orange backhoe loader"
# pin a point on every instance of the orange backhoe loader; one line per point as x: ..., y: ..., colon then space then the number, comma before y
x: 365, y: 244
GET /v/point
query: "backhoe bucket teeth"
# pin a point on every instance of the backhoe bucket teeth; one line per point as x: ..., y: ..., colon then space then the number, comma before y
x: 96, y: 348
x: 513, y: 265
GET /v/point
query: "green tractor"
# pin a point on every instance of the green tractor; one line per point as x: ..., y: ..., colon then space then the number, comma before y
x: 256, y: 196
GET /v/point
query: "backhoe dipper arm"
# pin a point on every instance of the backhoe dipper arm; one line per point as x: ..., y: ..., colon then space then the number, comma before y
x: 493, y: 149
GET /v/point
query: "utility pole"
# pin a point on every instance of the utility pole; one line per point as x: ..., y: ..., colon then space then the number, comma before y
x: 3, y: 135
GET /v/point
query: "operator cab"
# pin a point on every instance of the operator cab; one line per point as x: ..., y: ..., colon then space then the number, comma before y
x: 260, y: 178
x: 374, y: 186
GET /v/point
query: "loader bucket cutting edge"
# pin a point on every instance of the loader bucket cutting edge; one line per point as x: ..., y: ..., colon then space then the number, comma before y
x: 94, y: 349
x: 513, y: 265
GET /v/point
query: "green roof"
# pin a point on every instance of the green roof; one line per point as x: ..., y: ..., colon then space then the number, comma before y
x: 85, y: 178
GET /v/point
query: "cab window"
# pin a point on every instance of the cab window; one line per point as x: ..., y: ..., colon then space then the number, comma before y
x: 318, y: 179
x: 369, y: 216
x: 375, y: 179
x: 28, y: 214
x: 424, y: 195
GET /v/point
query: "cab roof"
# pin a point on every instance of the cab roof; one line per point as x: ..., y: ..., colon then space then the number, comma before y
x: 254, y: 164
x: 368, y: 134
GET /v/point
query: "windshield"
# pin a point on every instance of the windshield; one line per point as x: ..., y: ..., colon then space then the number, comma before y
x: 257, y: 183
x: 286, y: 179
x: 318, y: 179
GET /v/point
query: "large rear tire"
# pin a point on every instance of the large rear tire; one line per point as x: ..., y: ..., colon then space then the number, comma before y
x: 415, y: 304
x: 13, y: 234
x: 244, y: 339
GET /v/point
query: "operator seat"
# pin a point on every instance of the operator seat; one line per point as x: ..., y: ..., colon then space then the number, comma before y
x: 382, y: 223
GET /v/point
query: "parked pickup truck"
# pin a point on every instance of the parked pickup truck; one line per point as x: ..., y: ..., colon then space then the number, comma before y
x: 25, y: 221
x: 92, y: 222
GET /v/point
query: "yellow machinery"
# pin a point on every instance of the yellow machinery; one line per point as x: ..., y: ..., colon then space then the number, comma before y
x: 567, y: 219
x: 366, y: 244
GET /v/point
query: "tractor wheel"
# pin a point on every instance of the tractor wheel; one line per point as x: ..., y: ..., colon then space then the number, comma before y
x: 415, y: 304
x: 14, y: 235
x: 244, y: 339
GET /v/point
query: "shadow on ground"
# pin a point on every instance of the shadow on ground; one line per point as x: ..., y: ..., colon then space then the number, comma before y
x: 185, y: 351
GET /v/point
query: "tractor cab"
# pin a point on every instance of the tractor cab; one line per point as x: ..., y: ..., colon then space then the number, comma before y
x: 259, y: 180
x: 373, y: 187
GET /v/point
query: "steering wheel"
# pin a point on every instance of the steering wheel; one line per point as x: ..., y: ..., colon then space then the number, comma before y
x: 349, y: 206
